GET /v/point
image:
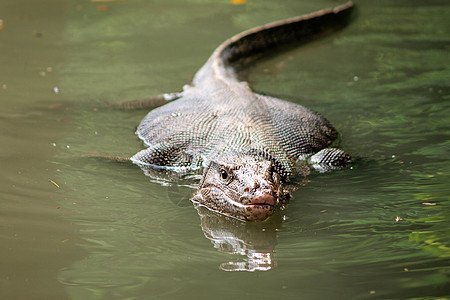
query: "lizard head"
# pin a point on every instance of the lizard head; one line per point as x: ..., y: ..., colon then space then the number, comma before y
x: 242, y: 186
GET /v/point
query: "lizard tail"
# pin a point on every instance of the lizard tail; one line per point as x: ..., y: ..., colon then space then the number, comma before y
x: 254, y: 43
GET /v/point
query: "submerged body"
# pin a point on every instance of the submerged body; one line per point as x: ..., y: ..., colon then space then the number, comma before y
x: 246, y: 144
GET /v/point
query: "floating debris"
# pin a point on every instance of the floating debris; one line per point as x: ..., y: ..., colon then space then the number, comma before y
x: 237, y: 2
x: 70, y: 238
x: 57, y: 185
x: 54, y: 105
x: 37, y: 33
x: 103, y: 7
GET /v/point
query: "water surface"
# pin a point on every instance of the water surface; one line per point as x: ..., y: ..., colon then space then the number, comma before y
x: 78, y: 228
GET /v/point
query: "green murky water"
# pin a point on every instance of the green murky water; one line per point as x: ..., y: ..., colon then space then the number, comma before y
x: 72, y: 227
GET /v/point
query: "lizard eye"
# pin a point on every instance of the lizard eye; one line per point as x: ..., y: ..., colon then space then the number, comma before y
x: 223, y: 174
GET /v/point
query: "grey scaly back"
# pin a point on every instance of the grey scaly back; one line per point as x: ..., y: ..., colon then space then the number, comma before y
x: 217, y: 113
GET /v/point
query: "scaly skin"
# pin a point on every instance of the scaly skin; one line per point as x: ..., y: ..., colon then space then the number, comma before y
x: 242, y: 186
x: 247, y: 144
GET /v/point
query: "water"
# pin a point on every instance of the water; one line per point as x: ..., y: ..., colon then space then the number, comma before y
x: 73, y: 227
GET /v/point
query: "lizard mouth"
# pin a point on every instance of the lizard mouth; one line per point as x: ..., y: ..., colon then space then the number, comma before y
x: 262, y: 200
x: 260, y: 207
